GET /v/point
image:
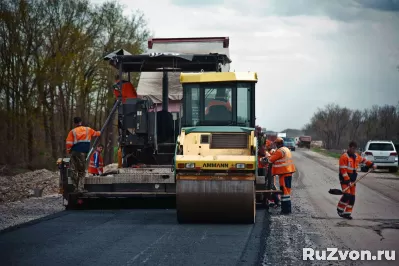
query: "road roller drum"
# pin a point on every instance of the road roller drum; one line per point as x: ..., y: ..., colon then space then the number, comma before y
x: 215, y: 201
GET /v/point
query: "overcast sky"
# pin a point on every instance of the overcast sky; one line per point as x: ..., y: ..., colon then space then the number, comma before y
x: 307, y: 53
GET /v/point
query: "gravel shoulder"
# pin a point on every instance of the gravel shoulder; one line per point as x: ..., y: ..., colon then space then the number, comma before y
x: 17, y: 202
x: 27, y: 210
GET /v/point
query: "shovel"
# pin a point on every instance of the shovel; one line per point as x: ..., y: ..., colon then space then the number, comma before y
x: 336, y: 191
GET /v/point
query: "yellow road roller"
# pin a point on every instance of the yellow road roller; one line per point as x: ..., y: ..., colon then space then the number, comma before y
x: 215, y: 163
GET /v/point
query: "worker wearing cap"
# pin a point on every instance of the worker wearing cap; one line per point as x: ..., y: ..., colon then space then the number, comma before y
x: 96, y: 163
x: 78, y: 145
x: 284, y: 167
x: 348, y: 164
x: 128, y: 90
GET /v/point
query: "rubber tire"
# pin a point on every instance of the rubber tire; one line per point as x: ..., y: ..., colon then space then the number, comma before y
x: 393, y: 169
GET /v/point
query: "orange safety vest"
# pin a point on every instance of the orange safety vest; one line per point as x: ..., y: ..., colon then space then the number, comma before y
x: 96, y: 163
x: 216, y: 102
x: 282, y: 162
x: 79, y: 139
x: 128, y: 90
x: 348, y: 165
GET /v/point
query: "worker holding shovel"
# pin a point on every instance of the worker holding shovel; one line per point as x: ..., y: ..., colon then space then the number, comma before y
x: 78, y: 145
x: 348, y: 164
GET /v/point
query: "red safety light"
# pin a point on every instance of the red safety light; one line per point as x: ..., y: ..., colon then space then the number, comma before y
x: 394, y: 154
x: 369, y: 153
x: 180, y: 165
x: 80, y: 201
x: 250, y: 165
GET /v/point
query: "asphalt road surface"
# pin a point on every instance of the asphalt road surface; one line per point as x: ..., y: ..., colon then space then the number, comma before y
x: 153, y: 237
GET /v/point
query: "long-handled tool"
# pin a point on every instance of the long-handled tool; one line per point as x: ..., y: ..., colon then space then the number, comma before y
x: 336, y: 191
x: 103, y: 128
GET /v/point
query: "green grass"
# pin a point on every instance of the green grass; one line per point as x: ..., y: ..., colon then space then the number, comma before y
x: 326, y: 152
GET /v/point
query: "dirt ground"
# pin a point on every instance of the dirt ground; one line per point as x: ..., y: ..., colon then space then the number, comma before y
x: 24, y: 185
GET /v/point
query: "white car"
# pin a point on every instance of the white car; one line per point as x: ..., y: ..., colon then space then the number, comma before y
x: 381, y: 153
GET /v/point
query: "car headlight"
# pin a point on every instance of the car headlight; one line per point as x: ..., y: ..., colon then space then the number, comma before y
x: 240, y: 165
x: 190, y: 165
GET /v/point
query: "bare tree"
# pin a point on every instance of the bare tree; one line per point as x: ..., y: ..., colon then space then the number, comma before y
x: 336, y: 125
x: 51, y: 69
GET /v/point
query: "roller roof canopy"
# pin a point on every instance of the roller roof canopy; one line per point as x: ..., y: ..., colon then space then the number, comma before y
x: 218, y: 77
x: 159, y: 62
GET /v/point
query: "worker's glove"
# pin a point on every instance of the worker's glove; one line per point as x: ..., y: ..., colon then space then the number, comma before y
x: 264, y: 160
x: 374, y: 167
x: 99, y: 172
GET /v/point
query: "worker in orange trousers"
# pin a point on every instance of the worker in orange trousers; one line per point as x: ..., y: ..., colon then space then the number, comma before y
x: 284, y: 167
x: 348, y: 165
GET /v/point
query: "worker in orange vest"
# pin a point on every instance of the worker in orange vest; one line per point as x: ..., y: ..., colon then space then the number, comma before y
x: 128, y: 90
x: 220, y: 99
x: 78, y: 145
x: 348, y: 164
x: 284, y: 167
x: 96, y: 164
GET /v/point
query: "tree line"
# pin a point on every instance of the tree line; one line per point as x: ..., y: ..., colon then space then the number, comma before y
x: 52, y: 69
x: 336, y: 125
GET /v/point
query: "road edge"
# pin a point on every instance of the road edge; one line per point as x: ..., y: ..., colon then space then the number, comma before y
x: 256, y: 245
x: 33, y: 222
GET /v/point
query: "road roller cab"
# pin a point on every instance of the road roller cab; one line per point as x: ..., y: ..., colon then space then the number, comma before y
x: 216, y: 151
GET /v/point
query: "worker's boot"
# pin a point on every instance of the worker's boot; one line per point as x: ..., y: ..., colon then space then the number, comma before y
x: 347, y: 216
x: 81, y: 184
x: 286, y: 207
